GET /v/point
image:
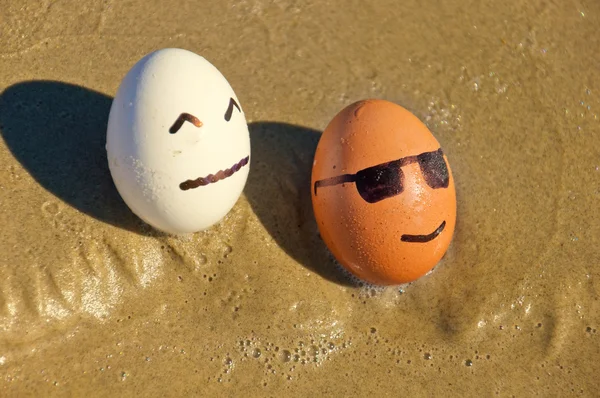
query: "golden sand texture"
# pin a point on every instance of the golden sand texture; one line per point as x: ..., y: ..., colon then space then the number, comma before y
x: 95, y: 303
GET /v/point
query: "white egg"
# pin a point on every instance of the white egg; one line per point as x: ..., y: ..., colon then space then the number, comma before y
x: 177, y: 142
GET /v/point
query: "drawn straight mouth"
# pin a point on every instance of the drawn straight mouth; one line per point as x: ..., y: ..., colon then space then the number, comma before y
x: 424, y: 238
x: 212, y: 178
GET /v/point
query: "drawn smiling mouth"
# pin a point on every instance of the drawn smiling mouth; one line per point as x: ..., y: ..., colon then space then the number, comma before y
x: 424, y: 238
x: 212, y: 178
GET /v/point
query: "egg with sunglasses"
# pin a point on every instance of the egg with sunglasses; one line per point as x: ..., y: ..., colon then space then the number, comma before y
x: 383, y: 193
x: 177, y: 142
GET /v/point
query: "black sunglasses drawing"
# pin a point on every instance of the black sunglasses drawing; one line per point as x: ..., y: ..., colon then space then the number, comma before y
x: 386, y: 180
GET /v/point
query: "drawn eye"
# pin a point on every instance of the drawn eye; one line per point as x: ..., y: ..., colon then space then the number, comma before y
x: 184, y: 117
x: 229, y: 111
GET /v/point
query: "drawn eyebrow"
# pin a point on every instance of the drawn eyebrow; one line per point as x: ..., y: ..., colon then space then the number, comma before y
x: 232, y: 103
x: 184, y: 117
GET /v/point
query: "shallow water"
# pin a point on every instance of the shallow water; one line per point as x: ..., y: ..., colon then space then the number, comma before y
x: 94, y: 301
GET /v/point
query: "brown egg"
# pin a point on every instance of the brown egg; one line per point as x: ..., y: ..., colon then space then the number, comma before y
x: 383, y: 193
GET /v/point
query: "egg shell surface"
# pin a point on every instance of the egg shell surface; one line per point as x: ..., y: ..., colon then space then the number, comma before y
x: 368, y: 238
x: 155, y: 165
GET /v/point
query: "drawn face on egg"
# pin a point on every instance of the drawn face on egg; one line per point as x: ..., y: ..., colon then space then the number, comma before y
x: 177, y: 142
x: 221, y: 174
x: 383, y: 193
x: 386, y: 180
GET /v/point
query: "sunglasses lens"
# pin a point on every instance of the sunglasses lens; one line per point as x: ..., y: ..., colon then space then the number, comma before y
x: 380, y: 182
x: 434, y: 169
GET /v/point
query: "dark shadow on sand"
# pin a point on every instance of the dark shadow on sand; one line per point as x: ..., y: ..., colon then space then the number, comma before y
x: 278, y: 190
x: 58, y: 133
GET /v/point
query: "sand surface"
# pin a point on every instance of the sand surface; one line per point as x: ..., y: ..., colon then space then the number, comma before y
x: 94, y: 302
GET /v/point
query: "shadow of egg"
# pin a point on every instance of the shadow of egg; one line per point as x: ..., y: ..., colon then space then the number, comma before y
x: 278, y: 190
x: 57, y: 131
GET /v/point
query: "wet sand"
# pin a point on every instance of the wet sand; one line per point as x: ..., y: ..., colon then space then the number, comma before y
x: 94, y: 302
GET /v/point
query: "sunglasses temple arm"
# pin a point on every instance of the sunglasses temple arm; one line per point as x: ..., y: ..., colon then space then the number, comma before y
x: 334, y: 181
